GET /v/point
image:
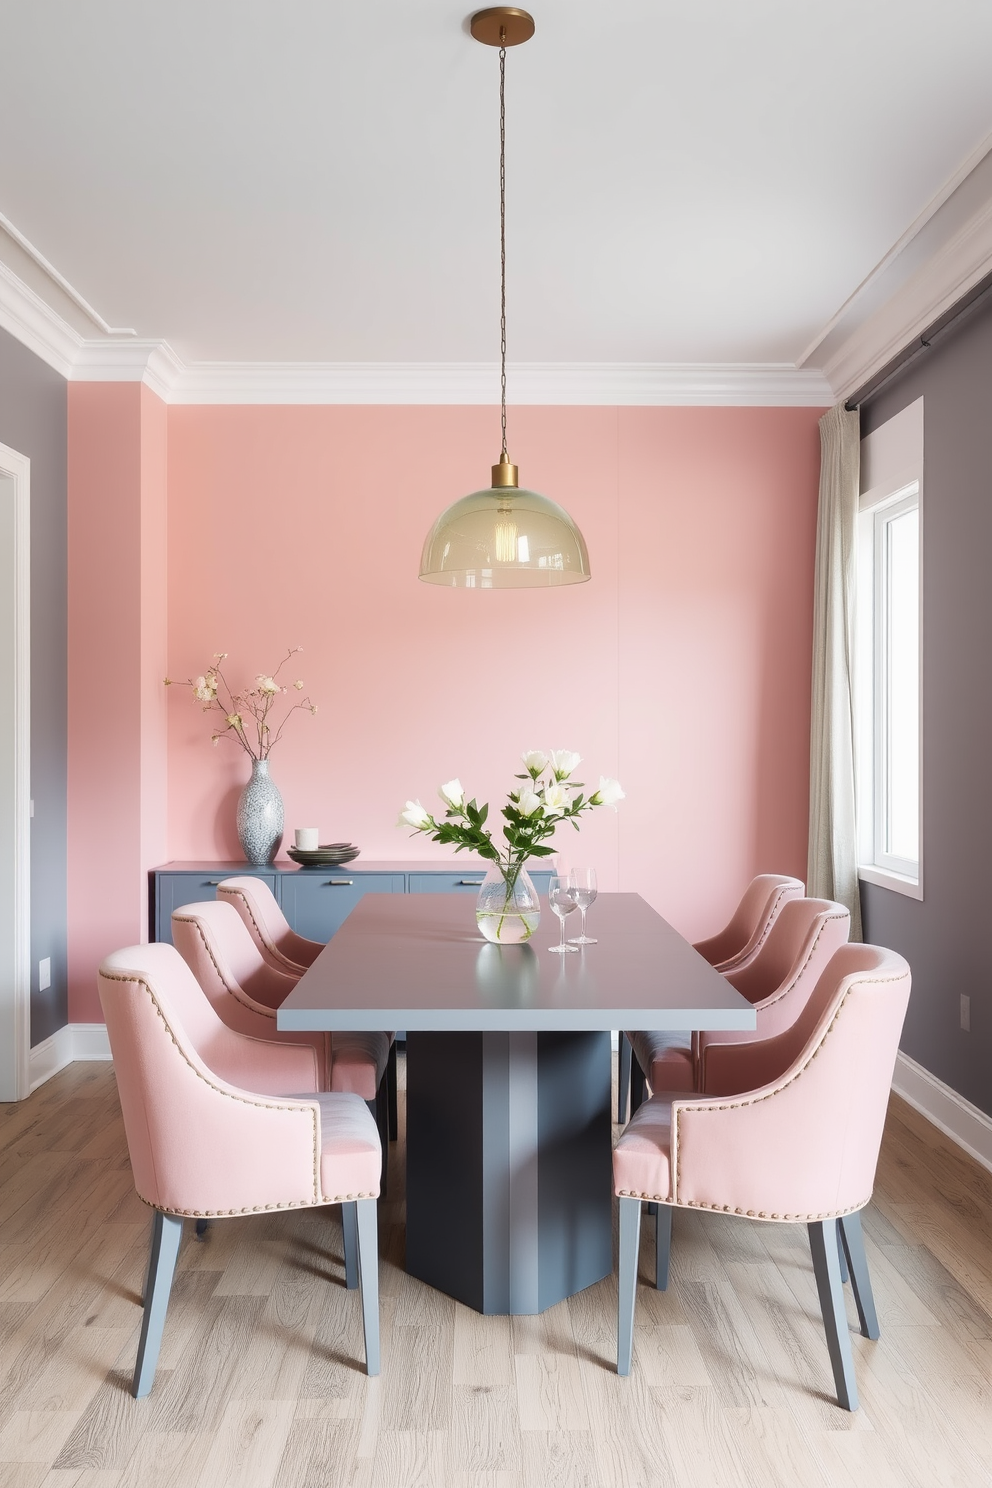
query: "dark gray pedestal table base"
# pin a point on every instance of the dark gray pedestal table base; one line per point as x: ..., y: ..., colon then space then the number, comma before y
x: 530, y: 1223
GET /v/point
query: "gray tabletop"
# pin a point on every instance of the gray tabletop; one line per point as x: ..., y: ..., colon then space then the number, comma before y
x: 417, y: 961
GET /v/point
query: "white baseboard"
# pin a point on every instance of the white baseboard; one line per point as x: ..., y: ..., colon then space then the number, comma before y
x: 957, y: 1118
x: 74, y: 1041
x: 48, y: 1057
x: 90, y: 1041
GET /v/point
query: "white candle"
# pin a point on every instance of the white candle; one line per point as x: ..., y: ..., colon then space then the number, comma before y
x: 307, y: 838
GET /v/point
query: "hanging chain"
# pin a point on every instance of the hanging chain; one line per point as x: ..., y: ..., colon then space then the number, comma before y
x: 502, y: 241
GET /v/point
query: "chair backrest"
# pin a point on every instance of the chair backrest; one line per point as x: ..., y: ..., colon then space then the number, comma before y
x: 243, y: 987
x: 804, y: 1143
x: 198, y: 1144
x: 779, y: 981
x: 802, y: 927
x: 268, y: 926
x: 760, y: 906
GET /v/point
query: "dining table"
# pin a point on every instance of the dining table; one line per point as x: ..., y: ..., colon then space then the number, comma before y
x: 509, y: 1065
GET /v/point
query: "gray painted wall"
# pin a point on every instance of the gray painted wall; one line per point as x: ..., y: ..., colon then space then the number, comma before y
x: 945, y: 937
x: 33, y: 418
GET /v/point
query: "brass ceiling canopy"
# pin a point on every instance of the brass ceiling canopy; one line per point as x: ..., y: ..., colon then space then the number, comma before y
x: 504, y: 537
x: 502, y: 26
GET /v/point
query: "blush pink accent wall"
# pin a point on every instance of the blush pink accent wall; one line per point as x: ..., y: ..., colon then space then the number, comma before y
x: 683, y: 667
x: 117, y: 644
x: 715, y: 598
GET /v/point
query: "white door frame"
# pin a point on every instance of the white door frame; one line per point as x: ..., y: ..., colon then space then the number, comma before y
x: 15, y: 963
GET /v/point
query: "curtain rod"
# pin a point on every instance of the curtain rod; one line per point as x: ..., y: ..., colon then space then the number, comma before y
x: 974, y: 300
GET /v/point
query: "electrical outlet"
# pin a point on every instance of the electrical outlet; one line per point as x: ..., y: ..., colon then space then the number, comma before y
x: 965, y: 1013
x: 44, y: 973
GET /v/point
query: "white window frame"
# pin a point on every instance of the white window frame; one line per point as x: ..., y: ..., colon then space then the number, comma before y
x: 892, y: 469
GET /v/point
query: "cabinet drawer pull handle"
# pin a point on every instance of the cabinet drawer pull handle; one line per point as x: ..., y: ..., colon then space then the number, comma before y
x: 338, y: 883
x: 212, y: 883
x: 470, y: 883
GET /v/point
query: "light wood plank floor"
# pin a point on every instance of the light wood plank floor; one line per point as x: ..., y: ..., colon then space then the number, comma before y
x: 260, y: 1380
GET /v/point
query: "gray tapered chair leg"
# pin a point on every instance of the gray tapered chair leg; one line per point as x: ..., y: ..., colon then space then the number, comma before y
x: 842, y: 1261
x: 366, y: 1220
x: 624, y: 1055
x: 853, y: 1248
x: 662, y: 1244
x: 630, y: 1244
x: 824, y: 1243
x: 167, y: 1231
x: 349, y: 1227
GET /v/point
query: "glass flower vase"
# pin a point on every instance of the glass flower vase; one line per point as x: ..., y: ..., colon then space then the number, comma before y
x: 508, y: 909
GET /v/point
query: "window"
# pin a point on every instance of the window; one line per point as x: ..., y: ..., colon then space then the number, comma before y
x: 888, y: 655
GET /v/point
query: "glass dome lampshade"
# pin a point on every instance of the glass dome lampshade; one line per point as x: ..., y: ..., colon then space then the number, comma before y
x: 504, y: 538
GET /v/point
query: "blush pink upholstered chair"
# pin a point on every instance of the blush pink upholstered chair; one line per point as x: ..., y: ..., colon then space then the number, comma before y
x: 778, y: 980
x: 800, y: 1146
x: 733, y: 948
x: 246, y: 992
x: 761, y: 904
x: 205, y: 1146
x: 291, y: 955
x: 268, y: 926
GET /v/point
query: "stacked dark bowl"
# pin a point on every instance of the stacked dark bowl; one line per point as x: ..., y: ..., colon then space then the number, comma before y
x: 328, y: 856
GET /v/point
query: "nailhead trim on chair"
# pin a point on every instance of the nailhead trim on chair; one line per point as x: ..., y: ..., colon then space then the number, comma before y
x: 700, y: 1058
x: 629, y: 1193
x: 258, y: 1208
x: 269, y: 944
x: 264, y: 1105
x: 728, y: 966
x: 784, y: 991
x: 232, y: 893
x: 237, y: 992
x: 753, y: 1100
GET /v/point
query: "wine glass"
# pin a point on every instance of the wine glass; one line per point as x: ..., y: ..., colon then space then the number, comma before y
x: 585, y: 894
x: 562, y: 892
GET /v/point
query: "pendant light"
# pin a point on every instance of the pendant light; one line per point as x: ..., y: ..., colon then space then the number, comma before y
x: 504, y: 537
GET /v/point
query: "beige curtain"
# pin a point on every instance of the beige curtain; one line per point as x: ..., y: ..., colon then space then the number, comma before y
x: 832, y: 869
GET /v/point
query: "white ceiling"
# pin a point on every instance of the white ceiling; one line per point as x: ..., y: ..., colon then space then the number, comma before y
x: 288, y: 180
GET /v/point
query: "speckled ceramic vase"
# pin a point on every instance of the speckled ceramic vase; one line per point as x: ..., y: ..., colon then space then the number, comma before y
x: 260, y: 817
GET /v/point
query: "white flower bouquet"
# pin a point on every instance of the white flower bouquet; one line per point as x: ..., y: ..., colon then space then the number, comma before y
x: 532, y: 814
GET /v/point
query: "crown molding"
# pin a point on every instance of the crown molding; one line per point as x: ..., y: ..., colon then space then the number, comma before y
x: 26, y: 316
x: 33, y: 322
x: 547, y: 383
x: 151, y: 362
x: 938, y: 284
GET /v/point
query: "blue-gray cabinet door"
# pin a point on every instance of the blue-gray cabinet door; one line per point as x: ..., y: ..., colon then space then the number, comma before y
x: 468, y: 882
x: 175, y: 889
x: 316, y: 904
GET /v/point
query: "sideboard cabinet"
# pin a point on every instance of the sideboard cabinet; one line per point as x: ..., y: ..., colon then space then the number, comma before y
x: 314, y: 902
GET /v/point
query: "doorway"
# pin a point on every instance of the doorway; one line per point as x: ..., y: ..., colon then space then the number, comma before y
x: 15, y: 775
